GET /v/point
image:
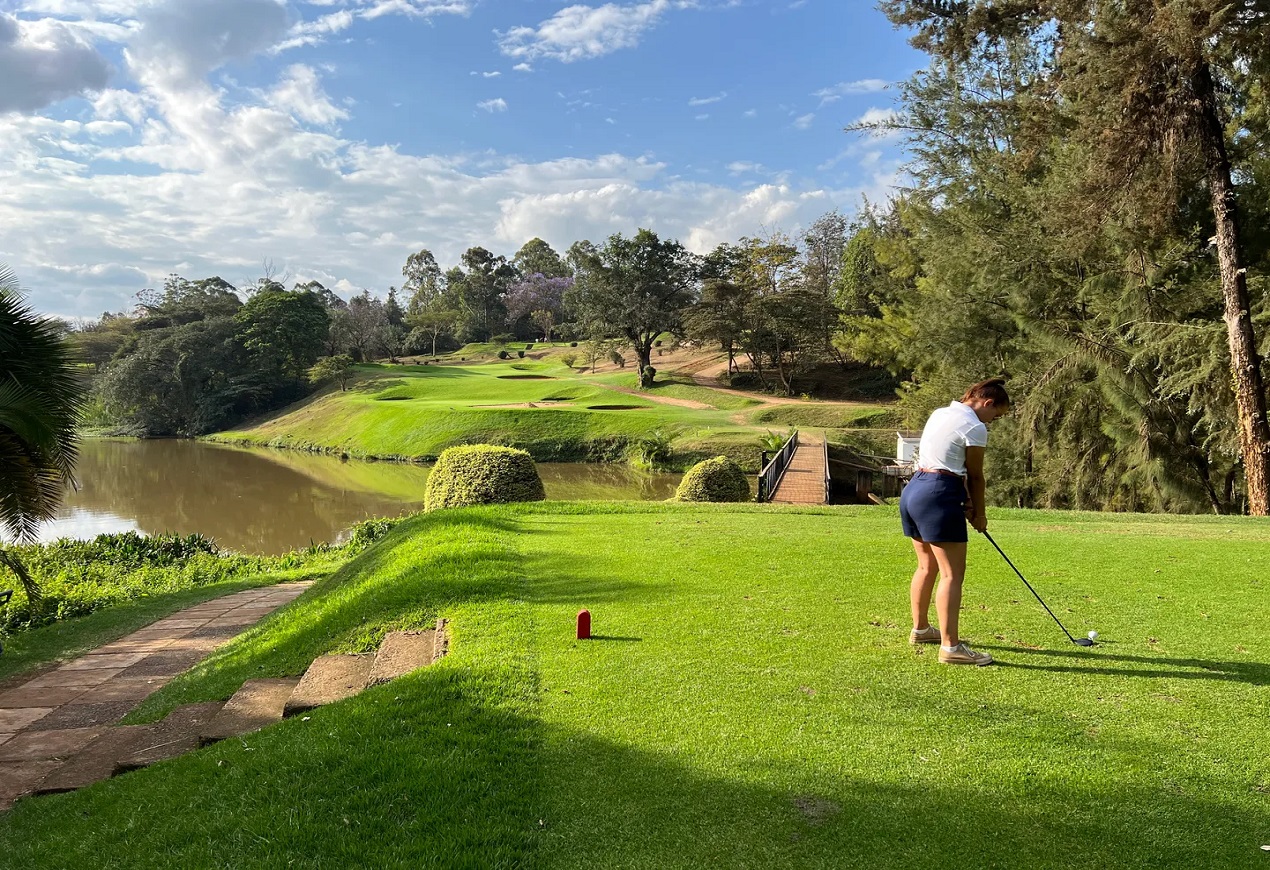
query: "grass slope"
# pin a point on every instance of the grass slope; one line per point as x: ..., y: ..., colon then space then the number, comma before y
x: 417, y: 411
x: 749, y: 701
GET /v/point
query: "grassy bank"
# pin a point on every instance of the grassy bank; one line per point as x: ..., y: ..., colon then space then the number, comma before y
x: 749, y: 701
x: 415, y: 412
x: 94, y: 591
x: 557, y: 413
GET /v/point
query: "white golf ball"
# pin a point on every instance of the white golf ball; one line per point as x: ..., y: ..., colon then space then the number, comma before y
x: 1093, y: 635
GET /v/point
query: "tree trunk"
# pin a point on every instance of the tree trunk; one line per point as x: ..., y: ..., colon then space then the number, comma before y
x: 644, y: 354
x: 1245, y: 361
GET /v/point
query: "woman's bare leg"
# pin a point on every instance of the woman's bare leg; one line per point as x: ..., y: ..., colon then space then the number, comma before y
x: 923, y: 585
x: 951, y: 558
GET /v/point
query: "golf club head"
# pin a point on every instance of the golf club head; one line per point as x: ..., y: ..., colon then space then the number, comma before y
x: 1082, y: 641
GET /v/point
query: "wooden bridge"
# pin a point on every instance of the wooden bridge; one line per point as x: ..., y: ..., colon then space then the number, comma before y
x: 798, y: 473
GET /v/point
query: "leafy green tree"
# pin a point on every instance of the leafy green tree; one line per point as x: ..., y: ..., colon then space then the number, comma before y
x: 479, y: 291
x: 360, y: 328
x: 187, y: 380
x: 337, y: 368
x: 1146, y: 109
x: 536, y: 257
x: 720, y: 315
x: 40, y: 397
x: 636, y: 288
x: 434, y: 321
x: 798, y: 332
x: 424, y: 281
x: 283, y: 330
x: 821, y: 258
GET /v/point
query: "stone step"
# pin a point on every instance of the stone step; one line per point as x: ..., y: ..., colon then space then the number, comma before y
x: 257, y: 704
x: 94, y: 762
x: 400, y: 653
x: 175, y: 735
x: 329, y: 679
x: 128, y: 747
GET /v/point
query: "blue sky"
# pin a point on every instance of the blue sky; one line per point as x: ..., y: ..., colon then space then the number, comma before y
x: 331, y: 139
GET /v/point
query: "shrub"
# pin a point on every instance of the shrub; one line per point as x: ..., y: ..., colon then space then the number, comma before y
x: 502, y: 338
x: 502, y: 354
x: 482, y: 474
x: 520, y: 353
x: 367, y: 532
x: 573, y: 344
x: 717, y: 479
x: 651, y: 452
x: 568, y: 359
x: 617, y: 359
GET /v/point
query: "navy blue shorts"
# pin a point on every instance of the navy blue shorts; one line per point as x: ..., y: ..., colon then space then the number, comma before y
x: 933, y: 508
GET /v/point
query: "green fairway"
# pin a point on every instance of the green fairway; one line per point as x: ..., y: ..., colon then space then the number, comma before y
x: 749, y: 700
x: 544, y: 407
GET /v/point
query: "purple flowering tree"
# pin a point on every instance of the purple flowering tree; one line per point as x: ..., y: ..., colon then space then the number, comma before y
x: 539, y: 298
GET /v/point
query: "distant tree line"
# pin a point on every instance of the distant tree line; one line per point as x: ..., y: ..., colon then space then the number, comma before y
x: 201, y: 355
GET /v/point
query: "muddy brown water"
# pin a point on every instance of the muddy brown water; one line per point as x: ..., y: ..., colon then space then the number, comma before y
x: 270, y: 501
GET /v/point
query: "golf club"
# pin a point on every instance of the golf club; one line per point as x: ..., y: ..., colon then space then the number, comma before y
x: 1079, y: 641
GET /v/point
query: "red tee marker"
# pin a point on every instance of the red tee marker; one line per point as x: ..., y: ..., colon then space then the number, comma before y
x: 584, y: 624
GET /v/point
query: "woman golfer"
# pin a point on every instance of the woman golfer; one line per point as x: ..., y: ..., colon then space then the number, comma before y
x: 946, y: 491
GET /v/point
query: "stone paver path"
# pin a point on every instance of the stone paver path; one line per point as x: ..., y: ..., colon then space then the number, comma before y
x: 55, y: 715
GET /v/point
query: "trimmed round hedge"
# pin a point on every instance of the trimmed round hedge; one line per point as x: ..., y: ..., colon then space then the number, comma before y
x: 482, y: 474
x: 717, y: 479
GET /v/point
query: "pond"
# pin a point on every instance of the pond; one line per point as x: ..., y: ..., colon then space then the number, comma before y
x: 270, y: 501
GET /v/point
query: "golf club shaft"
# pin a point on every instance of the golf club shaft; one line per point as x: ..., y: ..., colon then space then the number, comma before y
x: 1029, y: 586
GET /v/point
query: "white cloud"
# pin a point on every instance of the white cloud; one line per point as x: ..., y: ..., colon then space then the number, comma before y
x: 172, y: 172
x: 523, y: 67
x: 180, y: 41
x: 836, y: 92
x: 705, y: 101
x: 750, y: 113
x: 489, y: 75
x: 803, y: 122
x: 316, y: 31
x: 743, y: 167
x: 586, y: 32
x: 701, y: 117
x: 498, y: 104
x: 879, y: 119
x: 300, y: 93
x: 42, y: 62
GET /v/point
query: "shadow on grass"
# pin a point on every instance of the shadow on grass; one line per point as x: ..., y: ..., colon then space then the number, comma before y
x: 1253, y: 673
x: 611, y: 805
x: 451, y: 767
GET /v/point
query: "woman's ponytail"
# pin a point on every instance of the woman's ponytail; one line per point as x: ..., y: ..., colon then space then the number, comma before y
x: 993, y: 388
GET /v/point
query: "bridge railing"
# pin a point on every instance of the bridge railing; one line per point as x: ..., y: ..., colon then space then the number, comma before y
x: 828, y: 479
x: 770, y: 477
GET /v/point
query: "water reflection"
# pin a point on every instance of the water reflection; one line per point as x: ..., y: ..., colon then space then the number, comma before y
x: 270, y: 501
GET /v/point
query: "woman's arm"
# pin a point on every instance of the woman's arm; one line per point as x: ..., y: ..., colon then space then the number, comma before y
x: 976, y: 486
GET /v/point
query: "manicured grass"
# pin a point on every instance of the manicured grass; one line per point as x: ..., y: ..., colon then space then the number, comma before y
x: 827, y: 416
x: 749, y: 701
x: 417, y: 411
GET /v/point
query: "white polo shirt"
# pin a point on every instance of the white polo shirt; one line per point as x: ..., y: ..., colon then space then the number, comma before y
x: 948, y: 433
